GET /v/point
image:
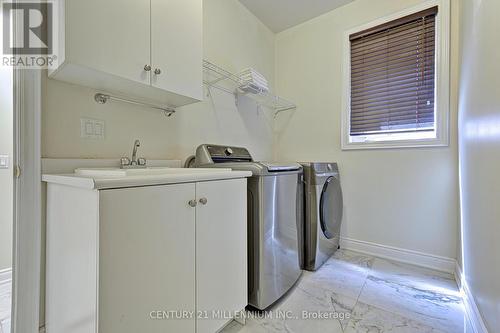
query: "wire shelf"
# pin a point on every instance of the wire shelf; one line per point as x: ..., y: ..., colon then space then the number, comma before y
x: 219, y: 78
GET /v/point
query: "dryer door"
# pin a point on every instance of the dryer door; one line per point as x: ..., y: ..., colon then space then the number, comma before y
x: 330, y: 208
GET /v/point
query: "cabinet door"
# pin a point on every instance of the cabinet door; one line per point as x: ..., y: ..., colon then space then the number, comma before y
x: 176, y: 45
x: 110, y: 36
x: 221, y: 252
x: 147, y: 259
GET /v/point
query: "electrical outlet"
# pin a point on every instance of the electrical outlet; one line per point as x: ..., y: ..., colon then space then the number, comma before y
x: 4, y: 161
x: 91, y: 129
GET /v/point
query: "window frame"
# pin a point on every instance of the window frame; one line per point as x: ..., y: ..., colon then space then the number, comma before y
x: 442, y: 86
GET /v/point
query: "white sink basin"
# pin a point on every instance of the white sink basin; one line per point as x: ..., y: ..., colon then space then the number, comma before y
x: 117, y: 172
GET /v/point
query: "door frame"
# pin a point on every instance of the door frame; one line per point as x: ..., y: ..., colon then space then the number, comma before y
x: 27, y: 207
x: 27, y: 201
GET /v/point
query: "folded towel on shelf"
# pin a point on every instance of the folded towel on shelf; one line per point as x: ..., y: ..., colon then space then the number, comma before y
x: 252, y: 73
x: 254, y: 88
x: 253, y: 81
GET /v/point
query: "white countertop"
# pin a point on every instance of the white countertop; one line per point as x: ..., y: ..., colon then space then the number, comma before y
x: 101, y: 182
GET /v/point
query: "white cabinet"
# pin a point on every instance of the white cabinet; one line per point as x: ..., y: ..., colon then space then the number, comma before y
x: 147, y: 258
x: 150, y: 49
x: 221, y: 278
x: 124, y: 260
x: 173, y: 56
x: 108, y: 36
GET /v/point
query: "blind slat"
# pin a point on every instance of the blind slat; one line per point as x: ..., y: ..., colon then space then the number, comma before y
x: 399, y: 109
x: 393, y: 97
x: 394, y: 111
x: 373, y: 78
x: 371, y: 59
x: 389, y: 106
x: 392, y: 63
x: 420, y: 56
x: 393, y: 77
x: 386, y: 87
x: 428, y: 13
x: 409, y: 34
x: 416, y: 37
x: 396, y: 118
x: 397, y: 124
x: 416, y: 130
x: 404, y: 62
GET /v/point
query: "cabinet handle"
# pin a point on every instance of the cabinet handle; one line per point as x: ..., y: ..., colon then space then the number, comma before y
x: 192, y: 203
x: 203, y: 201
x: 147, y: 68
x: 157, y: 71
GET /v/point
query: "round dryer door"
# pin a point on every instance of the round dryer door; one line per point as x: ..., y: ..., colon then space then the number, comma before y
x: 330, y: 207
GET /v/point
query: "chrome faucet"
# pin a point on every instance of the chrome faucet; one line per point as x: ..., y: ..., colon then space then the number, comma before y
x: 137, y: 144
x: 135, y: 162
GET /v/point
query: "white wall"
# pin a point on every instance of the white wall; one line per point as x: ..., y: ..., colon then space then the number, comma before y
x: 406, y: 198
x: 234, y: 39
x: 479, y: 128
x: 6, y: 180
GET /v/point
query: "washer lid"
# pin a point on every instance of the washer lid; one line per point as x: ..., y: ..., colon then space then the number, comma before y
x: 331, y: 208
x: 277, y: 167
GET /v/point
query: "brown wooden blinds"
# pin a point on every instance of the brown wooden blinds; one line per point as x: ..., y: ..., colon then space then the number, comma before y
x: 393, y: 76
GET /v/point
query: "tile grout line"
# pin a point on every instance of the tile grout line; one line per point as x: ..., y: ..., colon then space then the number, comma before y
x: 377, y: 307
x: 357, y: 298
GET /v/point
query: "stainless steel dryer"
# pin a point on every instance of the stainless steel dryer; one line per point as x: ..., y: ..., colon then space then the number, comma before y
x: 274, y: 220
x: 322, y: 214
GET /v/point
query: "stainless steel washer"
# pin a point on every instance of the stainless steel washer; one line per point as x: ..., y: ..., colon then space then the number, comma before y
x: 322, y: 214
x: 274, y: 220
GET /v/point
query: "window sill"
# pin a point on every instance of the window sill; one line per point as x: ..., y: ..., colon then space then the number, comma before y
x: 424, y: 143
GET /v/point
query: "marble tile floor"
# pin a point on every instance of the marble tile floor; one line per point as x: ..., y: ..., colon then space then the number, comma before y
x: 359, y: 293
x: 5, y: 306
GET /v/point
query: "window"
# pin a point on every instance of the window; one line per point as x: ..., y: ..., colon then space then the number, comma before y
x: 394, y: 83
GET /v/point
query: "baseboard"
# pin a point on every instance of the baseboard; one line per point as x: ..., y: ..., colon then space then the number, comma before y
x: 426, y: 260
x: 443, y: 264
x: 6, y: 276
x: 471, y: 308
x: 458, y: 275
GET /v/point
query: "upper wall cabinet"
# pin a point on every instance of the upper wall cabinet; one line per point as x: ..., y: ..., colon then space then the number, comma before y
x: 150, y: 49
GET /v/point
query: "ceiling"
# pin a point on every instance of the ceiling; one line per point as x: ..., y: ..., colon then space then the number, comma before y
x: 279, y: 15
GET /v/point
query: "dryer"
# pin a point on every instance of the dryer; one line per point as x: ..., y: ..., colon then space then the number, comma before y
x: 323, y: 211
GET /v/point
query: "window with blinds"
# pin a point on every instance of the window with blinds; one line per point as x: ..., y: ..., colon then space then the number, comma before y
x: 393, y: 77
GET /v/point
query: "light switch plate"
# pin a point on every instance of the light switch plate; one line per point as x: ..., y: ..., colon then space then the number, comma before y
x: 91, y: 128
x: 4, y: 161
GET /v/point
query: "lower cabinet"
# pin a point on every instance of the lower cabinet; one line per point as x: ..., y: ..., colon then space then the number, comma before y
x: 169, y: 258
x: 221, y: 253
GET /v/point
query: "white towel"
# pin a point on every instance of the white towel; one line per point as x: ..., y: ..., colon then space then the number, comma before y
x: 253, y: 82
x: 253, y: 88
x: 253, y: 73
x: 250, y: 72
x: 256, y: 82
x: 253, y: 78
x: 262, y: 85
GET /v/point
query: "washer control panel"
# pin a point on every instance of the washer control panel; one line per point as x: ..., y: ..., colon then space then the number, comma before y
x: 222, y: 154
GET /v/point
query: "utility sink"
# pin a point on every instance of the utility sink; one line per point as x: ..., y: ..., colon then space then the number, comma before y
x: 154, y: 171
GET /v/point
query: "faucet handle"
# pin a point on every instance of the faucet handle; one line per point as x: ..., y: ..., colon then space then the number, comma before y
x: 141, y: 161
x: 124, y: 161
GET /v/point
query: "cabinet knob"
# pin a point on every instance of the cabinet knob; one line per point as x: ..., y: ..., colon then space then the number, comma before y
x: 147, y: 68
x: 203, y: 201
x: 192, y: 203
x: 157, y: 71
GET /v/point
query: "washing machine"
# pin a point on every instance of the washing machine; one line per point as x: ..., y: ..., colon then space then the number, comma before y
x: 274, y: 220
x: 323, y: 210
